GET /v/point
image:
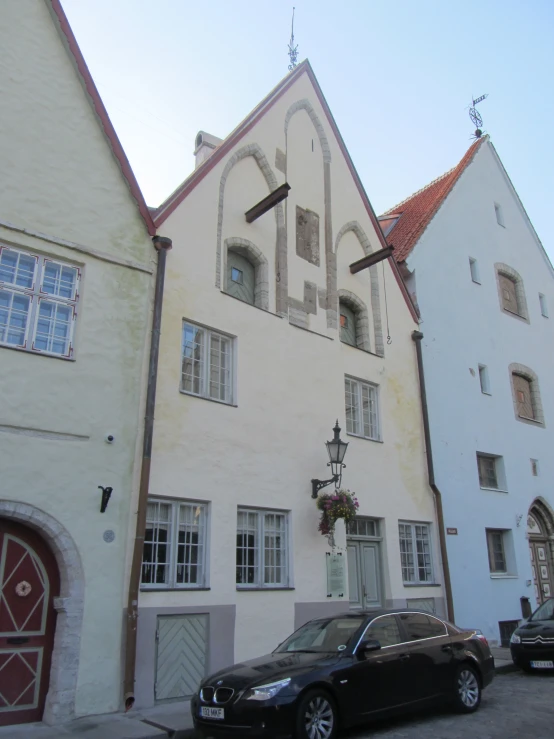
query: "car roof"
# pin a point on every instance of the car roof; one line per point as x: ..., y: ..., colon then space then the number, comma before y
x: 374, y: 612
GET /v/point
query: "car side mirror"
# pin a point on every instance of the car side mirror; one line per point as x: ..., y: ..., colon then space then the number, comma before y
x: 367, y: 645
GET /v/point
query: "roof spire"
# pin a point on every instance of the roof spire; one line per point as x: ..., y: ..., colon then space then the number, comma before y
x: 293, y: 50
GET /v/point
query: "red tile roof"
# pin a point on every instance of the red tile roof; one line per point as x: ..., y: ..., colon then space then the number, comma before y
x: 413, y: 215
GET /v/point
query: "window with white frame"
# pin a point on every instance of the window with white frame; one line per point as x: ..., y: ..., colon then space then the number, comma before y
x: 362, y: 411
x: 174, y: 554
x: 207, y: 363
x: 415, y: 552
x: 262, y: 549
x: 38, y: 302
x: 491, y: 473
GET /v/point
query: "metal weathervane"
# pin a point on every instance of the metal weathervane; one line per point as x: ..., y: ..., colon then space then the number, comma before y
x: 293, y: 50
x: 475, y: 116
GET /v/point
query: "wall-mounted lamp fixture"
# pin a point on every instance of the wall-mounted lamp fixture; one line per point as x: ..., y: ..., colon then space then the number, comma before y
x: 336, y: 450
x: 106, y: 495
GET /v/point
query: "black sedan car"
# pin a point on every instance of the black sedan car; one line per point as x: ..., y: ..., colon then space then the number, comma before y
x: 532, y: 643
x: 341, y: 671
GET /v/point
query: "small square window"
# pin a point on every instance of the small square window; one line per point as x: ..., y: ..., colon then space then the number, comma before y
x: 499, y: 215
x: 544, y: 307
x: 237, y: 275
x: 535, y: 467
x: 362, y: 409
x: 484, y: 379
x: 474, y: 270
x: 343, y: 321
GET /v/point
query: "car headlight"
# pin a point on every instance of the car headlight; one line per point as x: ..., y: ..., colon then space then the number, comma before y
x: 515, y: 638
x: 265, y: 692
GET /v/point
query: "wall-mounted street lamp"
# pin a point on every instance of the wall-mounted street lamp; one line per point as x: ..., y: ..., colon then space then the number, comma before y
x: 336, y: 450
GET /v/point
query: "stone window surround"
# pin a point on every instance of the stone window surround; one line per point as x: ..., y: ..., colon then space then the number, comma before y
x: 60, y: 700
x: 526, y: 372
x: 504, y: 269
x: 359, y: 308
x: 254, y: 255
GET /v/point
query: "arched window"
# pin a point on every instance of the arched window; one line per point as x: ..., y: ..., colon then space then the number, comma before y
x: 241, y: 279
x: 526, y: 394
x: 347, y: 324
x: 246, y: 276
x: 511, y: 291
x: 354, y: 320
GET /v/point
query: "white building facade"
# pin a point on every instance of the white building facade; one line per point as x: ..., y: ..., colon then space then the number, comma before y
x: 267, y: 338
x: 76, y: 264
x: 485, y: 290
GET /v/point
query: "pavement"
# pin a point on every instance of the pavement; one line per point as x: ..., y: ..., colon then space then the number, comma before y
x: 173, y: 720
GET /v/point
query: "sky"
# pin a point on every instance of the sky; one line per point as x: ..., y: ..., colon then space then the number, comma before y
x: 399, y: 76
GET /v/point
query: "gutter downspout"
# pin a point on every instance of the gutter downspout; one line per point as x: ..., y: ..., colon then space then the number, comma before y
x: 162, y: 245
x: 417, y: 336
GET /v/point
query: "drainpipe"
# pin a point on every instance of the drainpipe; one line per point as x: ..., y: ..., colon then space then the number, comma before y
x: 162, y: 245
x: 417, y: 336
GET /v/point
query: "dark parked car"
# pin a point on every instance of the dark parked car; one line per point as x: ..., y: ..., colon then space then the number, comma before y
x: 341, y: 671
x: 532, y: 643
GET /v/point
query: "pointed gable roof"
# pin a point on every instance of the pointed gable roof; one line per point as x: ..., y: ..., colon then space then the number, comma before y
x: 69, y: 40
x: 405, y: 223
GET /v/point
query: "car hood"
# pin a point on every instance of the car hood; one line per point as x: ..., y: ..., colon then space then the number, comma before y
x: 270, y: 668
x: 532, y: 629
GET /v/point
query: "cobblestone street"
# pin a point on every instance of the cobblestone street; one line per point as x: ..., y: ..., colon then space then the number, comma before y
x: 515, y: 706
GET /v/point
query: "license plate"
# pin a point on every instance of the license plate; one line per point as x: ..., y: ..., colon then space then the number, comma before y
x: 209, y: 712
x: 543, y: 664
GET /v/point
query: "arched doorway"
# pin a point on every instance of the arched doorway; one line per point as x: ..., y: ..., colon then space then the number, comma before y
x: 540, y: 532
x: 29, y: 582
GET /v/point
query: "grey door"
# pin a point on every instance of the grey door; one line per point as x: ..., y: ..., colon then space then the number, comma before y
x: 240, y: 277
x: 364, y: 574
x: 181, y: 657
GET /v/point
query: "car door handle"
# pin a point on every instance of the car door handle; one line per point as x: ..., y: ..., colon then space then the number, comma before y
x: 404, y: 657
x: 447, y: 648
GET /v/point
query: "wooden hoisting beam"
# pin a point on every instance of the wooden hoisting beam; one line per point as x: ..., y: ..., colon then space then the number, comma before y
x: 371, y: 259
x: 269, y: 202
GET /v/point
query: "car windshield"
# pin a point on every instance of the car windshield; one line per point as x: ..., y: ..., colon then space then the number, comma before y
x: 325, y: 635
x: 544, y: 612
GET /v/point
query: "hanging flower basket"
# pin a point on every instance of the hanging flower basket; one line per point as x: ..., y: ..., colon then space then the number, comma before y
x: 339, y: 504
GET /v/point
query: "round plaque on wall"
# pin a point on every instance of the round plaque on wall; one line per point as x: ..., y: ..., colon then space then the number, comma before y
x: 109, y: 536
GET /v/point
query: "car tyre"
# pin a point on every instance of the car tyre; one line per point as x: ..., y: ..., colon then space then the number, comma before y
x: 317, y: 716
x: 467, y: 689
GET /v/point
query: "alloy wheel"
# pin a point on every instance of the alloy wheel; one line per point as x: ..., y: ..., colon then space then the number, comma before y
x: 468, y: 688
x: 319, y: 718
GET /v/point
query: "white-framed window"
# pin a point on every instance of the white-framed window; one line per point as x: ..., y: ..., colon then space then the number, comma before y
x: 491, y: 471
x: 474, y: 270
x: 500, y: 547
x: 543, y: 305
x: 175, y: 544
x: 262, y: 549
x: 499, y: 215
x: 38, y: 302
x: 415, y: 552
x: 207, y: 363
x: 362, y: 409
x: 484, y: 379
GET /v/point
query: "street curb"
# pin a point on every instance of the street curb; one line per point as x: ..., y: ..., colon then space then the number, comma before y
x: 504, y: 669
x: 188, y: 733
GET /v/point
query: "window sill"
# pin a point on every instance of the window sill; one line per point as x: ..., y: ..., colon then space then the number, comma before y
x: 422, y: 585
x: 359, y: 348
x: 533, y: 421
x: 36, y: 353
x: 257, y: 589
x: 494, y: 490
x: 150, y: 589
x: 502, y: 576
x: 485, y: 392
x: 309, y: 330
x: 252, y: 305
x: 210, y: 400
x: 515, y: 315
x: 477, y: 282
x: 365, y: 438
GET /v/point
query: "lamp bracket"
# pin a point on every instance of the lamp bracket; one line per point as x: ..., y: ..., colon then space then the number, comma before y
x: 318, y: 485
x: 106, y: 495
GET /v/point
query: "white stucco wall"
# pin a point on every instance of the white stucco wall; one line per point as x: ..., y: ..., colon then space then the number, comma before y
x: 290, y: 388
x: 464, y: 326
x: 60, y: 178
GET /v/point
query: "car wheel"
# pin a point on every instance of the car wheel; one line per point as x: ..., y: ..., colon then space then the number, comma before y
x: 467, y: 690
x: 317, y: 716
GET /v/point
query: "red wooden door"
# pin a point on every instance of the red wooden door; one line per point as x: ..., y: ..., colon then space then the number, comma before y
x: 29, y: 581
